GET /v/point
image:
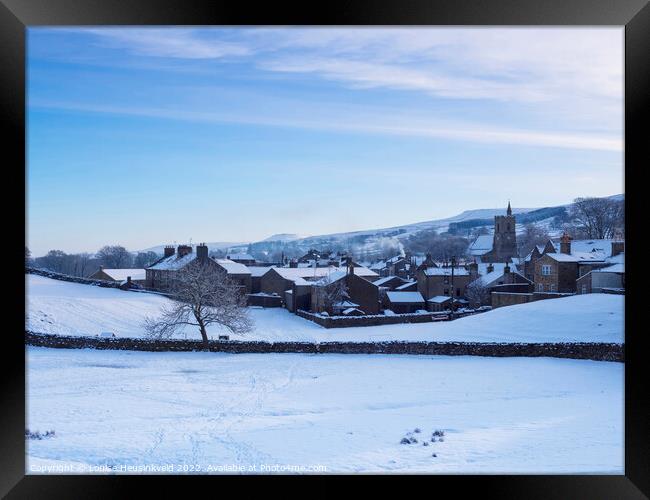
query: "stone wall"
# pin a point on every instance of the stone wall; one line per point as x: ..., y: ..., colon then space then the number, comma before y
x: 72, y: 279
x: 592, y: 351
x: 379, y: 319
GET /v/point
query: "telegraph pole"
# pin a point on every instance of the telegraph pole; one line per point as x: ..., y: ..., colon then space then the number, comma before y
x: 451, y: 290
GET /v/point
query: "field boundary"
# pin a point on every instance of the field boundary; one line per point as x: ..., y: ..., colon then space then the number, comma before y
x: 596, y: 351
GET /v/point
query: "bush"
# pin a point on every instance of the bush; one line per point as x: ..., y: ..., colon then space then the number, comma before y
x: 405, y: 441
x: 37, y: 435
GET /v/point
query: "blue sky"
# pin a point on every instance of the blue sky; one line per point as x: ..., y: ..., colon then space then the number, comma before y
x: 142, y: 136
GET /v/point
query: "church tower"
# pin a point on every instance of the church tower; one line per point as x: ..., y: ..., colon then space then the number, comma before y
x: 504, y: 245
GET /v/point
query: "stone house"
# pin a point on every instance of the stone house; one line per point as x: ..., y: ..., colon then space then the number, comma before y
x: 559, y: 271
x: 447, y: 281
x: 405, y: 302
x: 606, y: 278
x: 390, y: 282
x: 439, y: 303
x: 362, y: 294
x: 136, y: 276
x: 298, y: 280
x: 160, y: 274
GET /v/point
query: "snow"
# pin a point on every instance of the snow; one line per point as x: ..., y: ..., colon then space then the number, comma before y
x: 232, y: 267
x: 481, y: 245
x: 446, y: 271
x: 123, y: 274
x: 234, y: 412
x: 439, y: 299
x: 404, y: 297
x: 615, y: 268
x: 66, y: 308
x: 381, y: 281
x: 257, y: 271
x: 173, y: 262
x: 405, y: 285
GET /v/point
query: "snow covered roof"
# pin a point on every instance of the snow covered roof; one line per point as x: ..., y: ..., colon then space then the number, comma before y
x: 381, y: 281
x: 173, y: 262
x: 405, y: 297
x: 240, y: 256
x: 497, y: 266
x: 616, y: 268
x: 405, y: 285
x: 439, y: 299
x: 122, y: 274
x: 446, y: 271
x: 232, y: 267
x: 345, y: 303
x: 481, y: 245
x: 257, y: 271
x: 578, y: 257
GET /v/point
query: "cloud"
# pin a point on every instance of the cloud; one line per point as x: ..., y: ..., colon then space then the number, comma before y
x: 356, y: 122
x: 169, y: 42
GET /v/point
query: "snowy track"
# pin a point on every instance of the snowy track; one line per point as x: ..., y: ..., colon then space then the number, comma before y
x: 344, y: 412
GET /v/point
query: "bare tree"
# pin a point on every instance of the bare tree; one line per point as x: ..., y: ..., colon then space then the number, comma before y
x: 115, y: 256
x: 477, y: 293
x: 329, y: 293
x: 532, y: 235
x: 201, y: 295
x: 598, y: 218
x: 144, y: 259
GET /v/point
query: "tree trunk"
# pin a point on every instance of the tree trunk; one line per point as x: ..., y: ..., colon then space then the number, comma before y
x: 204, y: 335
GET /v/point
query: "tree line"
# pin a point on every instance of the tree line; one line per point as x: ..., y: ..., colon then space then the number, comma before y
x: 84, y: 264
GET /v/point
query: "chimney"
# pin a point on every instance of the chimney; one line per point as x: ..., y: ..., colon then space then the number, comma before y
x: 473, y: 269
x: 169, y: 250
x: 350, y: 265
x: 101, y: 268
x: 490, y: 267
x: 202, y: 251
x: 565, y: 243
x: 293, y: 263
x: 618, y: 247
x: 183, y: 250
x: 506, y: 269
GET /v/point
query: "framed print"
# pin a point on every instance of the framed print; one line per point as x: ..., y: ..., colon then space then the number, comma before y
x: 378, y: 241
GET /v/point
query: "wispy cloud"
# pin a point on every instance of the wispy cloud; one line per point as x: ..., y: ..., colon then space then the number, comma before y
x: 403, y: 125
x: 169, y: 42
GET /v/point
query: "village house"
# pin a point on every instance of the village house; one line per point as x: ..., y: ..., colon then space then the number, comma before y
x: 256, y: 277
x: 559, y: 271
x: 294, y: 283
x: 404, y: 302
x: 502, y: 279
x: 439, y: 303
x: 135, y: 276
x: 435, y: 281
x: 610, y: 279
x: 390, y: 282
x: 362, y: 295
x: 237, y: 272
x: 160, y: 274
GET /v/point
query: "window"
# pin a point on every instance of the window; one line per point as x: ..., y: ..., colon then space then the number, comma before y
x: 540, y: 287
x: 457, y: 292
x: 584, y: 289
x: 446, y: 291
x: 551, y: 287
x: 546, y: 270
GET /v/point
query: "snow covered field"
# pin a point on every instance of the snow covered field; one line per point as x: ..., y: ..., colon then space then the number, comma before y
x: 328, y: 413
x: 73, y: 309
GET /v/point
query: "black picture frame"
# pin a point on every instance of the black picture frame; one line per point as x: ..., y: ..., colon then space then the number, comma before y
x: 17, y: 15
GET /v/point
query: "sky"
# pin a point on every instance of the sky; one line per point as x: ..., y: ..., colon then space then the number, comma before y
x: 144, y: 136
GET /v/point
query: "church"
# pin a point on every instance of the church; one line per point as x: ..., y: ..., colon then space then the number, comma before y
x: 502, y: 245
